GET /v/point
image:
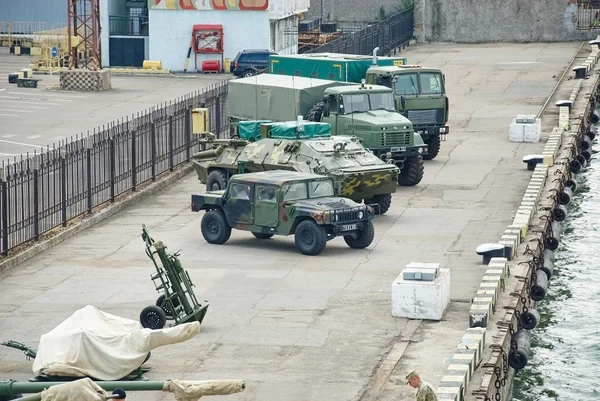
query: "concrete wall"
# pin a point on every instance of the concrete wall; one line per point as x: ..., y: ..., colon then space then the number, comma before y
x: 351, y: 10
x: 283, y: 41
x: 171, y: 31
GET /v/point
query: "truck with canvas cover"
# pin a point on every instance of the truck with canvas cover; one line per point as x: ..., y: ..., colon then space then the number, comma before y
x: 285, y: 203
x: 356, y: 172
x: 366, y: 112
x: 419, y: 92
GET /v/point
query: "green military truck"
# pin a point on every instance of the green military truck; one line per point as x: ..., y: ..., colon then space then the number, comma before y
x: 284, y: 203
x: 420, y: 93
x: 363, y: 111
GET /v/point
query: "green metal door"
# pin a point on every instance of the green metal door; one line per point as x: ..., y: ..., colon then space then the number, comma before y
x: 265, y: 207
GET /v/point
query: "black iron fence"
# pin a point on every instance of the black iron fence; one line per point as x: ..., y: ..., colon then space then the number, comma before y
x: 47, y: 190
x: 389, y: 35
x: 128, y: 26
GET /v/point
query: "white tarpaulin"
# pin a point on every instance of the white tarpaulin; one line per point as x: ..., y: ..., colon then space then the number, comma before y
x: 79, y: 390
x: 194, y: 390
x: 103, y: 346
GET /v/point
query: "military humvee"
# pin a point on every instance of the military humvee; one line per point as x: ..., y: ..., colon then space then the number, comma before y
x: 285, y: 203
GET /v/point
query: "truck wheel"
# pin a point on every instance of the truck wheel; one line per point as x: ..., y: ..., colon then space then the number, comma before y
x: 433, y: 146
x: 384, y: 201
x: 215, y: 228
x: 316, y: 112
x: 310, y: 238
x: 216, y: 180
x: 262, y: 235
x: 364, y: 238
x: 412, y: 171
x: 153, y: 317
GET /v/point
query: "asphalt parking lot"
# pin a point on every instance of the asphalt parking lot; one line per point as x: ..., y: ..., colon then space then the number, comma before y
x: 31, y: 118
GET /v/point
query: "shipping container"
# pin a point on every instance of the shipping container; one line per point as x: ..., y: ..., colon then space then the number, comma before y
x: 331, y: 66
x: 274, y: 97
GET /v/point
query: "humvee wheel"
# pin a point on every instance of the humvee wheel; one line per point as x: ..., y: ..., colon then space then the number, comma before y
x: 364, y: 238
x: 262, y: 235
x: 216, y: 180
x: 310, y: 238
x: 412, y: 171
x: 384, y: 201
x: 215, y: 228
x: 153, y: 317
x: 433, y: 146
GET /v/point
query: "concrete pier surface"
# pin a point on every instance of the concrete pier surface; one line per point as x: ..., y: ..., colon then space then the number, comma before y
x: 297, y: 327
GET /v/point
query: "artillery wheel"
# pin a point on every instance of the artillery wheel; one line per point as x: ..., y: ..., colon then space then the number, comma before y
x: 161, y: 299
x: 310, y: 238
x: 215, y: 228
x: 384, y: 201
x: 364, y: 238
x: 412, y: 171
x: 262, y: 235
x: 153, y: 317
x: 315, y: 113
x: 433, y: 146
x: 216, y: 180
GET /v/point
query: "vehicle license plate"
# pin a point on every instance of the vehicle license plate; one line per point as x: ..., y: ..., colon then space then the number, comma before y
x: 397, y: 149
x: 349, y: 227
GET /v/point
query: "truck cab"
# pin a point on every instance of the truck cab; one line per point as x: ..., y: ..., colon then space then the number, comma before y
x: 420, y: 95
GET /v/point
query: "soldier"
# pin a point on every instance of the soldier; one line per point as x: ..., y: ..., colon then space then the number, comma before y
x: 425, y: 390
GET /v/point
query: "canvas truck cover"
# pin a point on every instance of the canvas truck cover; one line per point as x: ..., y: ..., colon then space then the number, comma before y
x: 100, y: 345
x: 250, y: 130
x: 331, y: 66
x: 275, y: 97
x: 289, y: 130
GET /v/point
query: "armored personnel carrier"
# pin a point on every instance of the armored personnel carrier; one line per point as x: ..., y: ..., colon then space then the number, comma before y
x: 309, y: 148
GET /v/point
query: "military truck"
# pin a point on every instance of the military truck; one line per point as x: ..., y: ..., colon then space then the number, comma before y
x: 284, y: 203
x: 364, y: 111
x: 310, y: 148
x: 420, y: 93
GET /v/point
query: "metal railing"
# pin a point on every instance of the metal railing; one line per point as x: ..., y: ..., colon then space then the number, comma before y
x: 389, y: 35
x: 588, y: 15
x: 47, y: 190
x: 128, y: 25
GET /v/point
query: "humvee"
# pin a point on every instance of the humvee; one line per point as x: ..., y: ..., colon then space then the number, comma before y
x: 279, y: 202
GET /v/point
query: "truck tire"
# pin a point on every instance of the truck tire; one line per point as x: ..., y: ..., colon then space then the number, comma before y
x: 215, y: 228
x: 310, y: 238
x: 384, y: 201
x: 433, y: 147
x: 412, y: 171
x: 316, y: 112
x: 216, y: 180
x: 364, y: 238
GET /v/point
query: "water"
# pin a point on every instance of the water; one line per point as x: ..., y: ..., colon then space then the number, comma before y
x: 566, y: 345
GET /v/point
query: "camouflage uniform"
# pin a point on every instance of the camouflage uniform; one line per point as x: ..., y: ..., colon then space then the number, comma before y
x: 426, y: 392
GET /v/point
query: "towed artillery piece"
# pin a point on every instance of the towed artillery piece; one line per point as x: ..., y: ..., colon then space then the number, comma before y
x: 177, y: 301
x: 306, y: 147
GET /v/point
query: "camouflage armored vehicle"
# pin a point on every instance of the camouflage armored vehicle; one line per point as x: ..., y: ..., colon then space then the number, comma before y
x: 285, y: 203
x: 364, y: 111
x: 357, y: 173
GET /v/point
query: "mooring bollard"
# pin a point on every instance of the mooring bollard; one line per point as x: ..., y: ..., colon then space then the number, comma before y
x: 518, y: 358
x: 539, y: 286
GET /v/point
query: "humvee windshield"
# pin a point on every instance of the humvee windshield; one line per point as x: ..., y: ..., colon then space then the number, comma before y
x: 363, y: 102
x: 413, y: 84
x: 307, y: 190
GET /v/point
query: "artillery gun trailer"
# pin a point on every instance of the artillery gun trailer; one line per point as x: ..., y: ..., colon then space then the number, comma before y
x: 364, y: 111
x: 419, y: 92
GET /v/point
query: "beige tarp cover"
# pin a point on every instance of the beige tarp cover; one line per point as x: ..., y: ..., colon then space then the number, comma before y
x: 194, y: 390
x: 103, y: 346
x: 79, y: 390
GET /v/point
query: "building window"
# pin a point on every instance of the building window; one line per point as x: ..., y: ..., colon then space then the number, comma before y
x: 588, y: 15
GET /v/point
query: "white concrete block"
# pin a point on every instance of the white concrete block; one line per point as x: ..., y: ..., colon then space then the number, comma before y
x: 415, y: 299
x: 525, y: 132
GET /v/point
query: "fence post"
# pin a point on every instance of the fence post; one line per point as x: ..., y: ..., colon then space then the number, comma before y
x: 4, y: 189
x: 153, y: 150
x: 63, y: 192
x: 111, y: 155
x: 218, y: 116
x: 188, y: 134
x: 89, y: 179
x: 133, y: 163
x: 36, y: 200
x: 170, y: 133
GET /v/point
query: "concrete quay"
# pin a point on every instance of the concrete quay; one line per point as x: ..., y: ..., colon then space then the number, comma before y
x: 300, y: 327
